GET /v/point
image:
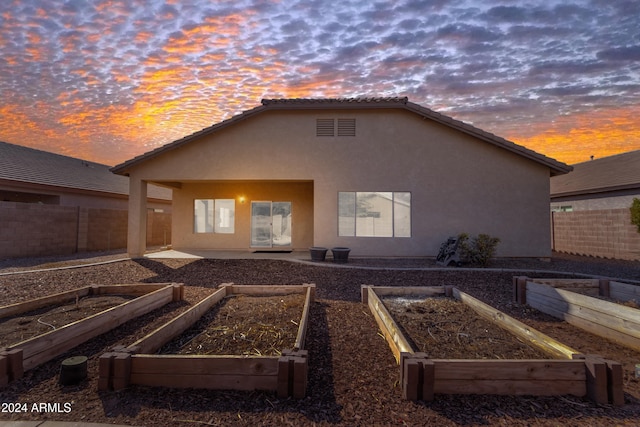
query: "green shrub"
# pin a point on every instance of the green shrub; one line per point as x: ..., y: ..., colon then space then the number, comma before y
x: 635, y: 213
x: 477, y: 251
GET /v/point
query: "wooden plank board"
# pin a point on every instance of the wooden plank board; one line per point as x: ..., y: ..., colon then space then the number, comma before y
x: 630, y: 313
x: 34, y: 304
x: 565, y: 310
x: 136, y: 289
x: 265, y: 290
x: 615, y: 316
x: 205, y: 372
x: 203, y: 364
x: 302, y: 325
x: 392, y: 333
x: 527, y: 333
x: 569, y: 283
x: 409, y: 291
x: 156, y: 339
x: 624, y: 292
x: 589, y: 326
x: 522, y: 370
x: 42, y: 348
x: 510, y: 377
x: 210, y: 381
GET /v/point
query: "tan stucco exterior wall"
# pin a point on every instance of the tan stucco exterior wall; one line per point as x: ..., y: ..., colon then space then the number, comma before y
x: 458, y: 183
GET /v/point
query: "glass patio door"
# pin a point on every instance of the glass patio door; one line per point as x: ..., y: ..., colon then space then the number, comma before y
x: 270, y: 224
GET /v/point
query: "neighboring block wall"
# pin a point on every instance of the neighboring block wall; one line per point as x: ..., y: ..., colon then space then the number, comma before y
x: 603, y: 233
x: 29, y: 229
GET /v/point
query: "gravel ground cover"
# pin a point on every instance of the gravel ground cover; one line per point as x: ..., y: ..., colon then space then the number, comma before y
x: 353, y: 377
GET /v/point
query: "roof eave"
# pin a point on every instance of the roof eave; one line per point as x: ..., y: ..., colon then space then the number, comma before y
x: 555, y: 167
x: 599, y: 190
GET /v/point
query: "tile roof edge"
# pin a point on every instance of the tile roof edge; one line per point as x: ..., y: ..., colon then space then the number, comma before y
x: 595, y: 190
x: 608, y: 158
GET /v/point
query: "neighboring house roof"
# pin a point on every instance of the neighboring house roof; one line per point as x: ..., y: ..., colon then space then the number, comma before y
x: 555, y: 167
x: 27, y: 165
x: 613, y: 173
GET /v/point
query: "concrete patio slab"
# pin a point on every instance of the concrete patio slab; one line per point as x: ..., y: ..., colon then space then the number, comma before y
x: 213, y: 254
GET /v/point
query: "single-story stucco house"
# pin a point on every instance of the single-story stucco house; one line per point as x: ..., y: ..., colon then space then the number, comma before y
x: 382, y: 176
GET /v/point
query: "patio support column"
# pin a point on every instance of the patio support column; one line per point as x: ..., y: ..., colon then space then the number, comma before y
x: 137, y: 225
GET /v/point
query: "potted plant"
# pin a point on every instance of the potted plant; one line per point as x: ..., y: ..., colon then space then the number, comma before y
x: 340, y: 255
x: 318, y: 253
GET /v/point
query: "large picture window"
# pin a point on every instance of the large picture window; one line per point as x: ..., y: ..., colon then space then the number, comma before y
x: 214, y: 216
x: 374, y: 214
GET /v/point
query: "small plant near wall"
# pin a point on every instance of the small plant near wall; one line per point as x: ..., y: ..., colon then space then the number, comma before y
x: 635, y: 213
x: 478, y: 250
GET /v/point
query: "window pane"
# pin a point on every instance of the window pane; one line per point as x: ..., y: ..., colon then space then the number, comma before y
x: 346, y: 214
x: 374, y: 214
x: 203, y: 216
x: 225, y: 215
x: 402, y: 214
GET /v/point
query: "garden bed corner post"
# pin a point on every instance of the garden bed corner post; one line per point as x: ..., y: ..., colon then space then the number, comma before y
x: 292, y: 374
x: 11, y: 366
x: 417, y: 376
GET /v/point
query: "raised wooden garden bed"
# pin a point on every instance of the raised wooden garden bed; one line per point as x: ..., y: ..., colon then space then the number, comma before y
x: 138, y: 364
x: 19, y: 357
x: 571, y: 300
x: 566, y: 372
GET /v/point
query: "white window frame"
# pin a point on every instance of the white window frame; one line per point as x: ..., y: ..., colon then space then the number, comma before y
x: 215, y: 216
x: 349, y: 212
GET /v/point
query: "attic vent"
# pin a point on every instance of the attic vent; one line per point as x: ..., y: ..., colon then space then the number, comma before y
x: 346, y: 127
x: 327, y: 127
x: 324, y: 127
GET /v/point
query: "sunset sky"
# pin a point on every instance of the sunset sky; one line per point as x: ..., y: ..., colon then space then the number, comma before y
x: 107, y: 80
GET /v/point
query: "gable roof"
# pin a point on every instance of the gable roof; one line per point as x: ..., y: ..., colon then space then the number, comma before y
x: 619, y: 172
x: 27, y: 165
x: 555, y: 167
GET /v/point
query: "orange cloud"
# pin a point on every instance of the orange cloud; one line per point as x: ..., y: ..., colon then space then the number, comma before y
x: 576, y: 137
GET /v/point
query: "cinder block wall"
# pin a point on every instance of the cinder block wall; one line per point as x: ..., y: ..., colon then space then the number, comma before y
x: 601, y: 233
x: 107, y: 229
x: 29, y: 229
x: 158, y: 228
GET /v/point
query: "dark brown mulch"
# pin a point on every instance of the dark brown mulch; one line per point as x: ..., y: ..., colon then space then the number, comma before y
x: 353, y: 377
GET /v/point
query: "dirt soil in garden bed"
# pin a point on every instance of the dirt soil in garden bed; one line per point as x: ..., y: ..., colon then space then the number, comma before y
x: 444, y: 328
x: 353, y: 376
x: 21, y: 327
x: 244, y: 325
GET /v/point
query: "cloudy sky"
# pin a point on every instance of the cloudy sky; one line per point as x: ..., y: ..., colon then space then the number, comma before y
x: 107, y: 80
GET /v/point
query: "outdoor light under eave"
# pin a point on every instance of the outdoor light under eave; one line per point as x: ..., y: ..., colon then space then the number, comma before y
x: 241, y: 199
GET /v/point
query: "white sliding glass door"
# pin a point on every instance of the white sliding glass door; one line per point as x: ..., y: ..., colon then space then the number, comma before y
x: 270, y: 224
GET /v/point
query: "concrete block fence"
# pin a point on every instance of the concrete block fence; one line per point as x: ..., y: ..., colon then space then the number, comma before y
x: 30, y: 229
x: 601, y: 233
